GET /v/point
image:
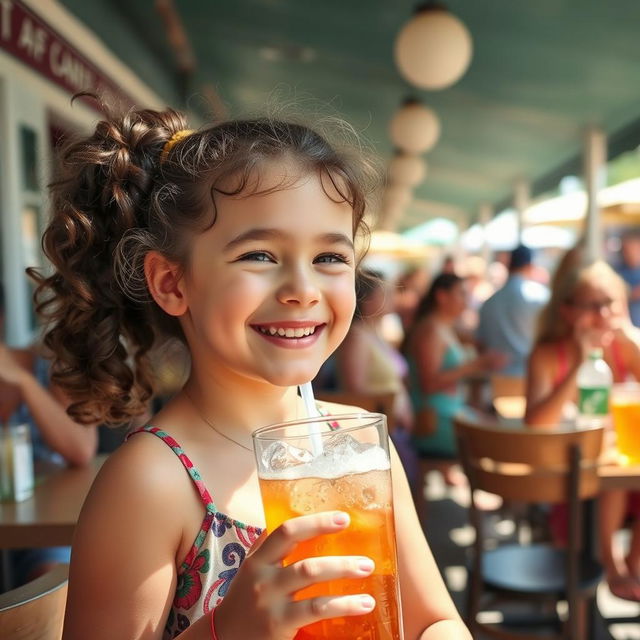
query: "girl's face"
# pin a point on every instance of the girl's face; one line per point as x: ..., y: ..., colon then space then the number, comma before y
x: 590, y: 308
x: 270, y: 288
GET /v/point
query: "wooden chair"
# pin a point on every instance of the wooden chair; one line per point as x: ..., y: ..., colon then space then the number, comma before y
x: 35, y: 611
x: 532, y: 466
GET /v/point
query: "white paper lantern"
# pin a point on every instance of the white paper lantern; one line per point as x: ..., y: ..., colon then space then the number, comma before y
x: 414, y: 128
x: 433, y: 49
x: 407, y: 170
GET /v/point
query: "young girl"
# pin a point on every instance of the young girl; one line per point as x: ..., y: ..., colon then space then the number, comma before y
x: 239, y: 239
x: 587, y: 309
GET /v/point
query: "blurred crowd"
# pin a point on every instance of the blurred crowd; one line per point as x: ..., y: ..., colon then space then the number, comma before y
x: 433, y: 339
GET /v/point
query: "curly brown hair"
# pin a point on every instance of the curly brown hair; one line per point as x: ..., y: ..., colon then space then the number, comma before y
x: 115, y: 200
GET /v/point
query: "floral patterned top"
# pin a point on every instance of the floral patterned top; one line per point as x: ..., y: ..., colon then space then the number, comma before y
x: 216, y: 554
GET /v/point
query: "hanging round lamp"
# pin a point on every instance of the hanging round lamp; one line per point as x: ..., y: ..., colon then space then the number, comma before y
x: 406, y: 169
x: 414, y: 128
x: 433, y: 49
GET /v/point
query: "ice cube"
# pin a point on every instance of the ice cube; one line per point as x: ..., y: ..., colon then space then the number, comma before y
x: 280, y: 456
x: 342, y: 445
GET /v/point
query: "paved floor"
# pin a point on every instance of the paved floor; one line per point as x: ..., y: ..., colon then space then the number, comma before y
x: 450, y: 536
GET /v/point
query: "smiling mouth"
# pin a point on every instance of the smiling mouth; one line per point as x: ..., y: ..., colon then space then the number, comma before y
x: 287, y: 332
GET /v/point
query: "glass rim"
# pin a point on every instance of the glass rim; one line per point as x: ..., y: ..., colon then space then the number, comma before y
x: 262, y: 433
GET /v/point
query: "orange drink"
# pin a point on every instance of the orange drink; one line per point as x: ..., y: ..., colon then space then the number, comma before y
x: 625, y: 409
x: 349, y: 475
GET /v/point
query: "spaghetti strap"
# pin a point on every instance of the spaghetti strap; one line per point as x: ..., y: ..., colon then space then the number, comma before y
x: 194, y: 474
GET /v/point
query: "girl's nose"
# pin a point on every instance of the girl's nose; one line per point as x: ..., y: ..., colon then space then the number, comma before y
x: 299, y: 287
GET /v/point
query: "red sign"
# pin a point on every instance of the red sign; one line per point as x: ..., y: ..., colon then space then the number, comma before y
x: 26, y: 36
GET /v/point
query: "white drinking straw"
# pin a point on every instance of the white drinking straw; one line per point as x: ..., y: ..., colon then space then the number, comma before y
x: 306, y: 390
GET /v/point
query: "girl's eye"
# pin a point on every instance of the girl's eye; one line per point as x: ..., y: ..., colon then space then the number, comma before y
x: 257, y: 256
x: 329, y: 258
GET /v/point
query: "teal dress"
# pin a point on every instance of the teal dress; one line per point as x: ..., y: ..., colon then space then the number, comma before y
x: 441, y: 443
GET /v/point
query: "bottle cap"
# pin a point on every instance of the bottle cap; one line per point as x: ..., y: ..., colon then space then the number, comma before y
x: 595, y: 354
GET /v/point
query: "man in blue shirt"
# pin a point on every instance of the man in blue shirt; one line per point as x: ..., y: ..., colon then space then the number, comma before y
x: 508, y: 317
x: 629, y: 271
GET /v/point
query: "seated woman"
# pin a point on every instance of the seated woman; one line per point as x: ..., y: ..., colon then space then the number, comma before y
x: 587, y: 309
x: 26, y: 396
x: 437, y: 366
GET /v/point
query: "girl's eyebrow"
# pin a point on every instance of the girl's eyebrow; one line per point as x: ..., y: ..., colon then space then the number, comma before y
x: 262, y: 233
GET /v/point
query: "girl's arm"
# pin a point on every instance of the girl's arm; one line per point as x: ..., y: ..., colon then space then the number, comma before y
x: 122, y: 575
x: 76, y: 443
x: 546, y: 400
x: 427, y: 609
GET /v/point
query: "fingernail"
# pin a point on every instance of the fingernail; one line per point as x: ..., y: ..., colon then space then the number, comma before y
x: 367, y: 603
x: 341, y: 518
x: 365, y: 565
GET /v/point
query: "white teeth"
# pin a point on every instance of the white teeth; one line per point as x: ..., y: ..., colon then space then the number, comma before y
x: 300, y: 332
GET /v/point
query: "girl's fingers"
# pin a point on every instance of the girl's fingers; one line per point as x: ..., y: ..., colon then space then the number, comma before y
x: 282, y: 541
x: 310, y: 571
x: 311, y: 610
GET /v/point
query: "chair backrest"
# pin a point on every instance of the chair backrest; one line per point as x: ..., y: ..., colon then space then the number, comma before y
x: 35, y: 611
x: 531, y: 465
x: 507, y: 386
x: 375, y: 402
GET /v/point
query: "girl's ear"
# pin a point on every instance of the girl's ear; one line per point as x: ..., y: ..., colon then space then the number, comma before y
x: 164, y: 279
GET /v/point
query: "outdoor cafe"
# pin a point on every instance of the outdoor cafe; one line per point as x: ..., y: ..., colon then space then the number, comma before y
x: 478, y: 315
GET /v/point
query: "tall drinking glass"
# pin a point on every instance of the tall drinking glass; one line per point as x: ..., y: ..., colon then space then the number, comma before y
x: 337, y: 463
x: 625, y: 409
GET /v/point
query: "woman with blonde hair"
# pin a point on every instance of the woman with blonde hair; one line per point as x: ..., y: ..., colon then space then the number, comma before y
x: 587, y: 310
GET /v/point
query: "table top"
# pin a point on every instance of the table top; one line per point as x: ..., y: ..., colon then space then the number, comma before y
x: 49, y: 517
x: 615, y: 476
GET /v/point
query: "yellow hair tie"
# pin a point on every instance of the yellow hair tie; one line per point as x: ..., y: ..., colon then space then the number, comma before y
x: 172, y: 141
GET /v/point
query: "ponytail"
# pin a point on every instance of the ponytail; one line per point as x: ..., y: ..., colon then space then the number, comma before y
x: 100, y: 336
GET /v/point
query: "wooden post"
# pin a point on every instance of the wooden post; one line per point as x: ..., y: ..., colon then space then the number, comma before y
x: 595, y: 168
x: 521, y: 202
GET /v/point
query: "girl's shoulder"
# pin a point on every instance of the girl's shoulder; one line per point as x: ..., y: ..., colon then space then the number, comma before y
x: 142, y: 471
x: 547, y: 359
x: 551, y: 350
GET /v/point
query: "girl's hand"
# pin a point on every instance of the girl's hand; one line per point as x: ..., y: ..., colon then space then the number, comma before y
x: 260, y: 604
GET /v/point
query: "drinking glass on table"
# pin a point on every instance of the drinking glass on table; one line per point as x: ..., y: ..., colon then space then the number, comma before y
x: 337, y: 463
x: 625, y: 409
